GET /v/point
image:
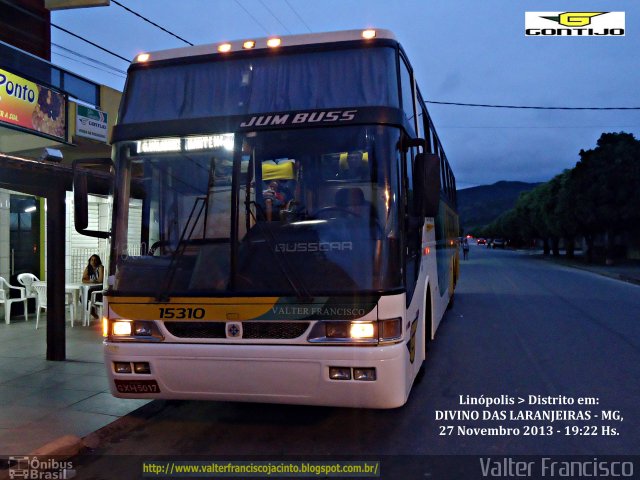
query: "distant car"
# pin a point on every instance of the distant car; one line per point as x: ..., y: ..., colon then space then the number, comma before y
x: 498, y: 243
x: 481, y: 241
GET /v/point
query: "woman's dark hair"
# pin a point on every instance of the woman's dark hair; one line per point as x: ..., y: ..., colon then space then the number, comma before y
x: 90, y: 269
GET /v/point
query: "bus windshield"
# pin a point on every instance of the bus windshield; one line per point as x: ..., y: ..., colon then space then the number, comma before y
x: 239, y: 86
x: 287, y: 212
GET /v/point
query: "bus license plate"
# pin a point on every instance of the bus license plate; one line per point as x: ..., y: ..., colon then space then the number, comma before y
x: 137, y: 386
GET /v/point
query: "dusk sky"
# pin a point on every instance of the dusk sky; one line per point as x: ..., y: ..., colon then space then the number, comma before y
x: 463, y: 51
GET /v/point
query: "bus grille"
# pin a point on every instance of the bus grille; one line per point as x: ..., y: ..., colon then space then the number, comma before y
x: 250, y: 330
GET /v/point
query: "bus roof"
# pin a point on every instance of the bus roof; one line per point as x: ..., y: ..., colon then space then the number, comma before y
x: 264, y: 43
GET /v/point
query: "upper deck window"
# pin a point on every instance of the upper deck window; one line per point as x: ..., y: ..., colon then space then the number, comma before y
x: 407, y: 93
x: 273, y: 83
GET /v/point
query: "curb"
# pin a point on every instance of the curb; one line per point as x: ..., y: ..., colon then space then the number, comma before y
x: 615, y: 276
x: 65, y: 446
x: 68, y: 447
x: 123, y: 425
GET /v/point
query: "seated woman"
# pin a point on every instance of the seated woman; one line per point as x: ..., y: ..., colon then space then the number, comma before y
x: 94, y: 274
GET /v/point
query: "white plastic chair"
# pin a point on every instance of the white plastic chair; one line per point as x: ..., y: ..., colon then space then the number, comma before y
x: 5, y: 289
x: 26, y: 280
x: 41, y: 291
x: 94, y: 303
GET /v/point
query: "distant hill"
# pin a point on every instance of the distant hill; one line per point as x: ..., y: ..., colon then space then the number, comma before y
x: 481, y: 205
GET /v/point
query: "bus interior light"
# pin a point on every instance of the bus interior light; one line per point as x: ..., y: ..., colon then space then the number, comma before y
x: 340, y: 373
x: 364, y: 374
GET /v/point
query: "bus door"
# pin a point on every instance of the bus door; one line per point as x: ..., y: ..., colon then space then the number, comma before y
x: 413, y: 227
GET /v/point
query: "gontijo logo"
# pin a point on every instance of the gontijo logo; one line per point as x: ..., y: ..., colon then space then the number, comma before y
x: 582, y: 24
x: 575, y: 19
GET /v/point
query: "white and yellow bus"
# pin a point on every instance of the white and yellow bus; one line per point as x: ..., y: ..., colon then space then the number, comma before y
x: 293, y: 218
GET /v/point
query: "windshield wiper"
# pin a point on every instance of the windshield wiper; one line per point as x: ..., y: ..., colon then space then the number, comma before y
x: 162, y: 293
x: 281, y: 258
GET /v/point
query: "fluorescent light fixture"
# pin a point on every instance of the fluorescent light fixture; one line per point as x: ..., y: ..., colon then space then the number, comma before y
x: 30, y: 209
x: 303, y: 223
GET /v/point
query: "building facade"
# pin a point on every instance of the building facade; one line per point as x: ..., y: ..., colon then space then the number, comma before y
x: 47, y: 114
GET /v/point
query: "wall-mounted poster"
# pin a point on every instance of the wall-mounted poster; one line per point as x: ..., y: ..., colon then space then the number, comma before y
x: 91, y: 123
x: 32, y: 106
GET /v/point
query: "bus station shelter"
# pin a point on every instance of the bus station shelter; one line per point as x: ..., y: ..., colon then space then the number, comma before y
x: 51, y: 181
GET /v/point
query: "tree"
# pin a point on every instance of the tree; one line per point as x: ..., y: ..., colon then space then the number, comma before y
x: 601, y: 195
x: 564, y: 215
x: 606, y: 188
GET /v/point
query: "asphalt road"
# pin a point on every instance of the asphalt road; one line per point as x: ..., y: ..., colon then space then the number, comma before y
x: 520, y: 327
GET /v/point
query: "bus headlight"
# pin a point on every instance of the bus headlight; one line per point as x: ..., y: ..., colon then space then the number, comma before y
x: 142, y: 329
x: 132, y: 330
x: 344, y: 332
x: 358, y: 332
x: 122, y: 329
x: 336, y: 329
x: 362, y: 330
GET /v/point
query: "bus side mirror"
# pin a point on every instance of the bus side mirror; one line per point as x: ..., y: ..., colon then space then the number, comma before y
x: 405, y: 143
x: 81, y: 193
x: 427, y: 186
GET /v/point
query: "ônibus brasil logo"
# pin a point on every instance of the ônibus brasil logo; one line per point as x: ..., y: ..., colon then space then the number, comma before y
x: 574, y: 24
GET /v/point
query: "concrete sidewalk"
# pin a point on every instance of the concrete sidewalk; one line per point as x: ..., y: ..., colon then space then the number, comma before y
x: 42, y: 401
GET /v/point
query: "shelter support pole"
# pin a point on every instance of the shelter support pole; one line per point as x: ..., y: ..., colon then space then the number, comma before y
x: 56, y: 346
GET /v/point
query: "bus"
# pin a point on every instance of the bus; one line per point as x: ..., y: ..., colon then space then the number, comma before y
x: 284, y: 224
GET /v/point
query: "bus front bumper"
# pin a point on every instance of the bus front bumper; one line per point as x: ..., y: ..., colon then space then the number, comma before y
x: 261, y: 373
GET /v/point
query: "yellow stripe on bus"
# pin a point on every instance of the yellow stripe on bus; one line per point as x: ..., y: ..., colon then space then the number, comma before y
x: 189, y: 309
